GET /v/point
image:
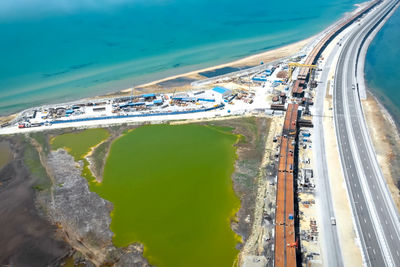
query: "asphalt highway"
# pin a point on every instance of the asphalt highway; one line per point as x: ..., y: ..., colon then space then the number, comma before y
x: 376, y: 216
x: 331, y: 251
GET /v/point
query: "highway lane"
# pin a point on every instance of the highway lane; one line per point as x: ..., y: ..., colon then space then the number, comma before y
x: 331, y: 251
x: 376, y: 218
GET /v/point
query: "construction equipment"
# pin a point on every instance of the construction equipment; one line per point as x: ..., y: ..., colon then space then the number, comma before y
x: 292, y: 65
x: 293, y: 245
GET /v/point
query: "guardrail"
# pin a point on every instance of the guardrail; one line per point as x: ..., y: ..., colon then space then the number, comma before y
x: 135, y: 115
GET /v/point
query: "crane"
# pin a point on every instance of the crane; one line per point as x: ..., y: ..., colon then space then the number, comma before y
x: 292, y: 65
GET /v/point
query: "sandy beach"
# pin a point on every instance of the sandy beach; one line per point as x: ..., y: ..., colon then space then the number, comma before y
x: 253, y: 60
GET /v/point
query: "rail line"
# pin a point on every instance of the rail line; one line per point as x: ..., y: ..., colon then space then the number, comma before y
x: 285, y: 235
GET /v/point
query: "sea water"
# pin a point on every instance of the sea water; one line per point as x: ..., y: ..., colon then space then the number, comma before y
x: 55, y: 51
x: 382, y: 68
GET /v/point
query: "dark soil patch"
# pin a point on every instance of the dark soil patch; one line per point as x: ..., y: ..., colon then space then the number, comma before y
x: 27, y: 238
x: 180, y: 81
x: 220, y: 71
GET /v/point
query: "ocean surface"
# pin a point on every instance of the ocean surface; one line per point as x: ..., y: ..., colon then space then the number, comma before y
x: 55, y: 51
x: 382, y: 68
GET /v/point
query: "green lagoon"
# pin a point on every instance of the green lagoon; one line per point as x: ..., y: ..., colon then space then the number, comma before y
x: 172, y: 191
x: 79, y: 144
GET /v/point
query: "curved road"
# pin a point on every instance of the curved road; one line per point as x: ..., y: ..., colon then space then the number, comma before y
x: 375, y: 214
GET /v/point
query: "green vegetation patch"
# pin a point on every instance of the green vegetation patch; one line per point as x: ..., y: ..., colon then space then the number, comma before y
x: 32, y: 161
x: 42, y: 140
x: 79, y: 144
x: 5, y: 153
x: 172, y: 191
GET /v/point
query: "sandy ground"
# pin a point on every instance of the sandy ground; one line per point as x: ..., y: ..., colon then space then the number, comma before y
x: 347, y: 236
x: 4, y: 119
x: 386, y: 141
x: 308, y: 212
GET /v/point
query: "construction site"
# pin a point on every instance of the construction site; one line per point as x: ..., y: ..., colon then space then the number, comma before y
x: 294, y: 224
x: 285, y: 88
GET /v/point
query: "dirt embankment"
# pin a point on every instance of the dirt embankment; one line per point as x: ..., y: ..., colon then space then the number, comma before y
x: 99, y: 155
x: 27, y: 238
x: 250, y: 153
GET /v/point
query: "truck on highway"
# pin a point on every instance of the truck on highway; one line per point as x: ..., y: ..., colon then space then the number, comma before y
x: 333, y: 221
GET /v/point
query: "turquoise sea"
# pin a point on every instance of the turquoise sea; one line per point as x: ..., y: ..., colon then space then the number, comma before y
x: 54, y: 51
x: 382, y: 68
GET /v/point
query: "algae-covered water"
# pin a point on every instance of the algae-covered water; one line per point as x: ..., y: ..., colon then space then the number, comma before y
x: 172, y: 191
x: 79, y: 144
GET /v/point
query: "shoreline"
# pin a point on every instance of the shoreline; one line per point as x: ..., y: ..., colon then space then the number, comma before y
x: 385, y: 139
x: 242, y: 62
x: 385, y: 111
x: 251, y: 60
x: 153, y: 86
x: 376, y: 93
